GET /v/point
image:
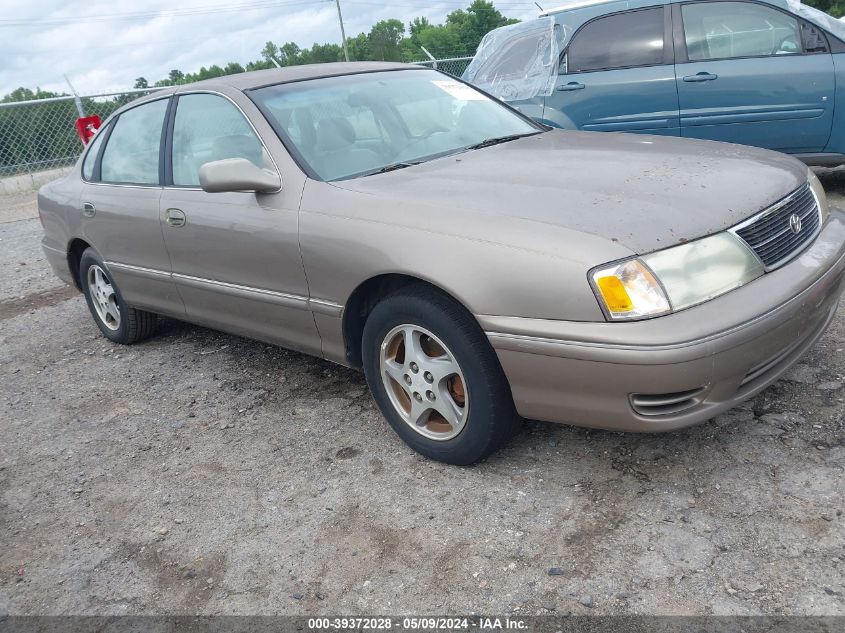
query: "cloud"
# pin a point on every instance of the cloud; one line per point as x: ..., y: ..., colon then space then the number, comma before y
x: 101, y: 55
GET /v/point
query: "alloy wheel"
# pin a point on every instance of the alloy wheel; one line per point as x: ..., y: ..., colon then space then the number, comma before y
x: 103, y: 297
x: 424, y: 381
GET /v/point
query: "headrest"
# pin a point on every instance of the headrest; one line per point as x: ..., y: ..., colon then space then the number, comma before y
x: 334, y: 134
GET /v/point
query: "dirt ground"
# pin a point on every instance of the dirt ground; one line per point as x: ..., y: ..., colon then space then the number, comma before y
x: 200, y: 473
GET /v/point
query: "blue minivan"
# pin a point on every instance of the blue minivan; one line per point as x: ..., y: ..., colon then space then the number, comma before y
x: 769, y: 73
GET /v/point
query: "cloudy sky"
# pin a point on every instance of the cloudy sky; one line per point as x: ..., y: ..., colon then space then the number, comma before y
x: 105, y: 45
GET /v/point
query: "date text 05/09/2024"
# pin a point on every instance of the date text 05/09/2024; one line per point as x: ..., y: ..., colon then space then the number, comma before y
x: 417, y: 623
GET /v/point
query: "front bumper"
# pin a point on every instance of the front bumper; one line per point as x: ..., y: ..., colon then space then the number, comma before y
x: 678, y: 370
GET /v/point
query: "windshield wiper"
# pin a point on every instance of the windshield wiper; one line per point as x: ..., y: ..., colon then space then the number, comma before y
x: 395, y: 166
x: 499, y: 139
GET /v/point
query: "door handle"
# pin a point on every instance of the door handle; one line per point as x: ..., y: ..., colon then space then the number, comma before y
x: 88, y: 210
x: 701, y: 77
x: 572, y: 85
x: 174, y: 217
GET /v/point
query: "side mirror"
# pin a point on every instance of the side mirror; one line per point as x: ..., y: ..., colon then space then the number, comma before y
x: 237, y: 174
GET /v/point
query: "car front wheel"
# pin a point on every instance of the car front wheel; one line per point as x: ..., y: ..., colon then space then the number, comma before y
x: 436, y: 378
x: 117, y: 321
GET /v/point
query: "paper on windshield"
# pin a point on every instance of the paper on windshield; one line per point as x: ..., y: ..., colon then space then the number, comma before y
x: 460, y: 91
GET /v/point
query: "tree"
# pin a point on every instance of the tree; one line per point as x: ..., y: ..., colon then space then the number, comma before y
x: 323, y: 53
x: 175, y: 76
x: 441, y: 41
x: 233, y: 68
x: 25, y: 94
x: 270, y: 51
x: 480, y: 18
x: 359, y: 47
x: 385, y: 37
x: 141, y: 82
x: 259, y: 65
x: 290, y: 54
x: 417, y: 25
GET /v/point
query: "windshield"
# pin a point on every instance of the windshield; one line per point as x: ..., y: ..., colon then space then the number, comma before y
x: 354, y: 125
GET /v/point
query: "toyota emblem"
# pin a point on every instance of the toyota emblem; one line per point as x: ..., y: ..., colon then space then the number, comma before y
x: 795, y: 223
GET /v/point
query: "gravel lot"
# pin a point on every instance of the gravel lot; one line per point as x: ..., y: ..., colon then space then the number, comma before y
x: 204, y: 473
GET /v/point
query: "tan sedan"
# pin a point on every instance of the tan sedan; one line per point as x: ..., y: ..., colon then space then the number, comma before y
x: 478, y: 266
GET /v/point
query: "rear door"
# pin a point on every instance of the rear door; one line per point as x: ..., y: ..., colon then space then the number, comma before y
x: 750, y: 73
x: 119, y: 207
x: 617, y: 74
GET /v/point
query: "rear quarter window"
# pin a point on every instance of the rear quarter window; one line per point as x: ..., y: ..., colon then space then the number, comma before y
x: 90, y: 161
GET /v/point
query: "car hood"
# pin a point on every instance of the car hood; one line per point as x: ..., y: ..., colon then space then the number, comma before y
x: 643, y: 192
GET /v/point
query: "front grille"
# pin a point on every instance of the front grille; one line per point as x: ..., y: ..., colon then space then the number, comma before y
x: 656, y: 404
x: 771, y: 234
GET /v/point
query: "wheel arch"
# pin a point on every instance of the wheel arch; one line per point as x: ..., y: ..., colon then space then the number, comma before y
x: 364, y: 298
x: 75, y: 248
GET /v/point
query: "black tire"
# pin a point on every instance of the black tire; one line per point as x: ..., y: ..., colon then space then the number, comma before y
x: 135, y: 325
x: 492, y: 418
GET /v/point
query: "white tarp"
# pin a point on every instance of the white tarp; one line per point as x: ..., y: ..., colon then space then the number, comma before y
x: 519, y: 61
x: 819, y: 18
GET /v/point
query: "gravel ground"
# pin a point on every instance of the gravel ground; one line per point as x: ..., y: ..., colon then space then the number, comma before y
x: 201, y: 473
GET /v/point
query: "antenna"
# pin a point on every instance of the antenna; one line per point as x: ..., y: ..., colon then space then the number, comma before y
x: 539, y: 7
x: 342, y: 31
x: 76, y: 98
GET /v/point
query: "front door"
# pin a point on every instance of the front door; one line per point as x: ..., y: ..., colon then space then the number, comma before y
x: 750, y: 73
x: 235, y: 256
x: 617, y: 74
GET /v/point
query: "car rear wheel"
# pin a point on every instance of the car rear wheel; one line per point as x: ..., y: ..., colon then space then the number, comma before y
x: 117, y: 321
x: 436, y: 378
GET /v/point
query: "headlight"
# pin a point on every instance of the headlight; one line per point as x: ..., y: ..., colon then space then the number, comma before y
x: 818, y: 192
x: 675, y: 278
x: 629, y: 290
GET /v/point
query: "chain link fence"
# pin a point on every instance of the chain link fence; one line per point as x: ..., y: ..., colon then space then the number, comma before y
x: 453, y: 66
x: 38, y: 138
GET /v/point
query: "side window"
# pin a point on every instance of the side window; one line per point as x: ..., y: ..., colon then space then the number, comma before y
x: 131, y: 155
x: 622, y: 40
x: 208, y: 128
x: 91, y: 157
x: 721, y: 30
x: 814, y: 41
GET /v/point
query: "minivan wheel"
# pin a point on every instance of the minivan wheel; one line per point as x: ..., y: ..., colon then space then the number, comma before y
x: 436, y: 378
x: 117, y: 321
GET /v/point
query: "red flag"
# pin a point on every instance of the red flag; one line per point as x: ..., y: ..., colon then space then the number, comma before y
x: 86, y: 126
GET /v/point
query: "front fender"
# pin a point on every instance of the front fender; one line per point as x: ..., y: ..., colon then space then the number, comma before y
x: 493, y: 265
x: 556, y: 118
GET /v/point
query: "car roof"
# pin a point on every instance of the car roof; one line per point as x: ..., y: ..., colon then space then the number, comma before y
x: 571, y: 5
x: 259, y: 78
x: 575, y: 4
